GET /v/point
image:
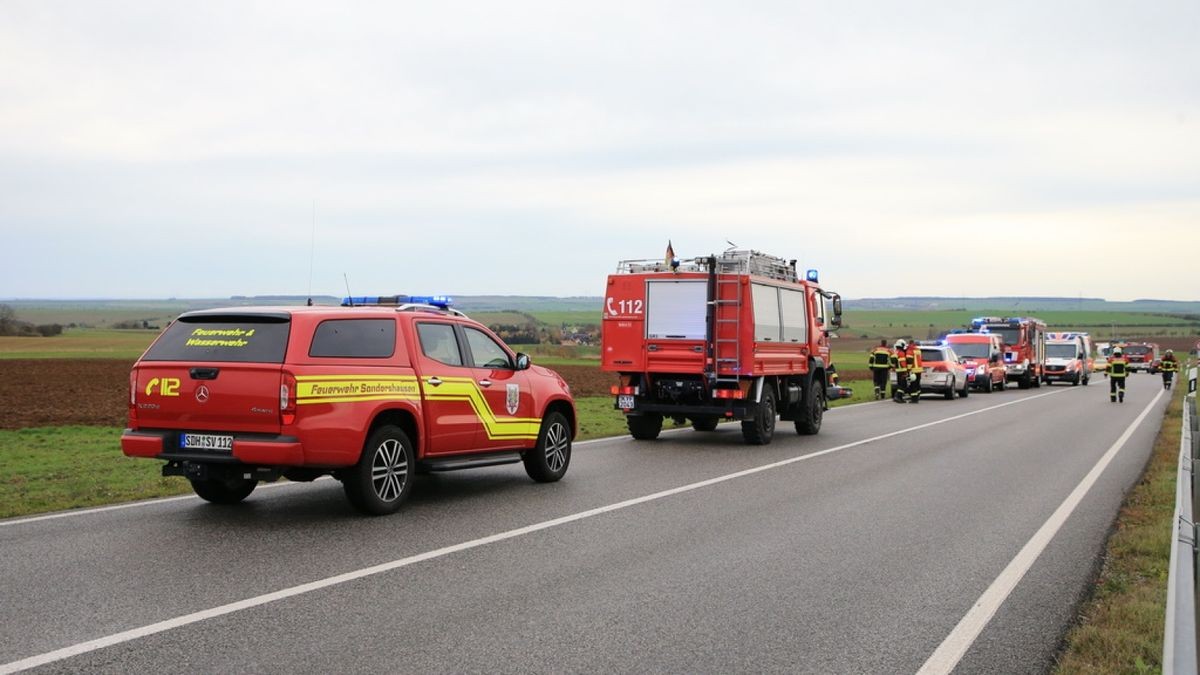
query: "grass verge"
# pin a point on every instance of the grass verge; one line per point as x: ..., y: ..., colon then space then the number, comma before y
x: 1121, y: 626
x: 56, y: 468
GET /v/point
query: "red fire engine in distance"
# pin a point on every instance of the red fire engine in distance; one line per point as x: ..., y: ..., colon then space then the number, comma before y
x: 737, y: 336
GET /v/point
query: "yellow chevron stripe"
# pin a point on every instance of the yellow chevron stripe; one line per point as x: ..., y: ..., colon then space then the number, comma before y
x: 465, y: 389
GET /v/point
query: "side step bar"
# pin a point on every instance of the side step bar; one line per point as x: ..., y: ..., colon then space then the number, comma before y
x: 470, y: 462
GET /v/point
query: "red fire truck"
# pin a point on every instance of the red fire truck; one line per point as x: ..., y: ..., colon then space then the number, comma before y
x: 736, y: 336
x: 1024, y: 346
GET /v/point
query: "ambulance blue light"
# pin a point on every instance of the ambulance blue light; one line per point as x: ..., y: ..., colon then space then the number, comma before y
x: 811, y: 275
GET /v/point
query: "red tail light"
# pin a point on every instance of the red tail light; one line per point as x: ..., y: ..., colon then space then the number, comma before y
x: 632, y: 391
x: 940, y: 368
x: 133, y: 398
x: 728, y: 393
x: 287, y: 399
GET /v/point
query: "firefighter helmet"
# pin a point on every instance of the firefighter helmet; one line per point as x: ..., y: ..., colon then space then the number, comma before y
x: 901, y: 344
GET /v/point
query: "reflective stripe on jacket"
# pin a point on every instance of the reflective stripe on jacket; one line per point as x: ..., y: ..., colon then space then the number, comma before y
x: 880, y: 358
x: 1117, y: 366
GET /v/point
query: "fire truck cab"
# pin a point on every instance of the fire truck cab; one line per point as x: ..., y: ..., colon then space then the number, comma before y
x: 737, y: 336
x: 1024, y: 346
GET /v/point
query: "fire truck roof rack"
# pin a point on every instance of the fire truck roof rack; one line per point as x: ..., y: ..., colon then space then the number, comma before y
x: 422, y: 307
x: 733, y: 261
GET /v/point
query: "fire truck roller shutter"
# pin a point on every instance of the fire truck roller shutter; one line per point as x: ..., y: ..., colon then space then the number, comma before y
x: 676, y: 309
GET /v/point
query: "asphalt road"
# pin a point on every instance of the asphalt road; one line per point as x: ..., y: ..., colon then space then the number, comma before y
x: 859, y: 550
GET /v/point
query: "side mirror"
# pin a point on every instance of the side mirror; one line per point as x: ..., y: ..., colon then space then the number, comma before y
x: 837, y: 311
x: 523, y: 361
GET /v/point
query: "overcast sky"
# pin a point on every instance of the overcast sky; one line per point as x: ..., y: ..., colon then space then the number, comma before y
x: 155, y: 148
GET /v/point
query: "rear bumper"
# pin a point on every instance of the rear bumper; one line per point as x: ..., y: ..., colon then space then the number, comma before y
x: 253, y: 449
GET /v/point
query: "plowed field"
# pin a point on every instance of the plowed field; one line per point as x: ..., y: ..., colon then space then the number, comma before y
x: 55, y: 392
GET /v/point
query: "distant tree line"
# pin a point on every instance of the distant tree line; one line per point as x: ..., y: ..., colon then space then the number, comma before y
x: 10, y: 325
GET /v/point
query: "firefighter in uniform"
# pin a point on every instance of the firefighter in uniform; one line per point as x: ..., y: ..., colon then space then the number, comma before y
x: 1118, y: 368
x: 1169, y: 367
x: 880, y: 361
x: 914, y: 373
x: 899, y: 362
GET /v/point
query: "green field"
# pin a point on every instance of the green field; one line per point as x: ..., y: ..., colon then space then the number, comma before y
x: 79, y: 343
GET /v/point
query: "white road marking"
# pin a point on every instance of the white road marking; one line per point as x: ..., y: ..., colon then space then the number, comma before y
x: 956, y: 644
x: 248, y: 603
x: 117, y: 507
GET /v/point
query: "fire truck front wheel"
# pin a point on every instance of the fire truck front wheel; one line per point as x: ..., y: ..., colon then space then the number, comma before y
x: 812, y: 411
x: 761, y: 429
x: 644, y: 427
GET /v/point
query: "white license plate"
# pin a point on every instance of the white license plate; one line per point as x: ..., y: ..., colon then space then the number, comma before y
x: 625, y: 402
x: 205, y: 442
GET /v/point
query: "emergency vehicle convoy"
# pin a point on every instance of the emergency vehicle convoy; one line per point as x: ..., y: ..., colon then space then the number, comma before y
x: 371, y: 392
x: 1024, y: 346
x: 736, y: 336
x: 984, y: 357
x: 1069, y: 358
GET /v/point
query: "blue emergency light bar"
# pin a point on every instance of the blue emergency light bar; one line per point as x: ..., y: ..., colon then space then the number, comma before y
x: 811, y: 275
x: 442, y: 301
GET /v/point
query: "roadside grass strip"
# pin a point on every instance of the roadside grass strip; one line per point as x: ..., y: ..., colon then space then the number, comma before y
x: 320, y: 584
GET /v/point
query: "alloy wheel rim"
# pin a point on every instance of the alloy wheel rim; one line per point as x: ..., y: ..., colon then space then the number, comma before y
x: 389, y: 470
x: 557, y: 446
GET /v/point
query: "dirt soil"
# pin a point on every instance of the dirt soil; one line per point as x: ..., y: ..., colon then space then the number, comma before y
x: 56, y: 392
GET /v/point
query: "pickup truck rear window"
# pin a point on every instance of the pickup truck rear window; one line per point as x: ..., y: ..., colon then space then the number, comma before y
x: 239, y: 339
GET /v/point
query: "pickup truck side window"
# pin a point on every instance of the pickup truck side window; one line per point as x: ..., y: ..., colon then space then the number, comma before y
x: 438, y: 343
x: 485, y: 353
x: 354, y: 338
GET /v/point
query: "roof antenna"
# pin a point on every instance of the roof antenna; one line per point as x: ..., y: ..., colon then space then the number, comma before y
x: 312, y: 251
x: 349, y: 298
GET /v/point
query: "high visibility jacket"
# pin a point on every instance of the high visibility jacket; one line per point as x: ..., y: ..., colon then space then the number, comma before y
x: 914, y: 359
x: 1117, y: 367
x: 900, y: 361
x: 881, y: 357
x: 1170, y: 366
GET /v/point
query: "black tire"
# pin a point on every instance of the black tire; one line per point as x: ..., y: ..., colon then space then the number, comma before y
x: 990, y: 386
x: 705, y: 423
x: 812, y: 410
x: 383, y: 477
x: 223, y: 491
x: 1025, y: 382
x: 1037, y: 381
x: 1075, y: 382
x: 644, y: 427
x: 549, y: 459
x: 761, y: 429
x: 1087, y: 378
x: 966, y: 391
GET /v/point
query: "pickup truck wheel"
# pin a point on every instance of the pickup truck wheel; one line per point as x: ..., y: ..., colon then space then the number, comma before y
x: 812, y: 411
x: 548, y: 460
x: 382, y: 479
x: 949, y: 395
x: 705, y: 423
x: 222, y: 491
x: 761, y: 429
x: 990, y: 386
x: 644, y: 427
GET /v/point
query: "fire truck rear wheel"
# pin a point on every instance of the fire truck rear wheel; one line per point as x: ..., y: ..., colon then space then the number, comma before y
x: 761, y: 429
x: 383, y: 477
x: 644, y: 427
x: 548, y: 460
x: 812, y: 410
x: 705, y: 423
x: 222, y: 491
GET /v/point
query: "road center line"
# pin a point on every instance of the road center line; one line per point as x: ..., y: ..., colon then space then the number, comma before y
x: 956, y: 644
x: 257, y: 601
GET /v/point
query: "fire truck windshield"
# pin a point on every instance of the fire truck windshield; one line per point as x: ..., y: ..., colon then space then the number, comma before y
x: 1011, y: 336
x: 1137, y: 350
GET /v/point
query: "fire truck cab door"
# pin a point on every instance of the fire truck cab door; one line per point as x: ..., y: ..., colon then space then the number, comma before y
x: 451, y: 422
x: 507, y: 420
